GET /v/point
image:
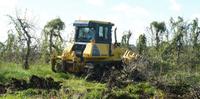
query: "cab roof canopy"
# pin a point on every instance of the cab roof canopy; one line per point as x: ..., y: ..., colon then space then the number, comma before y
x: 90, y: 22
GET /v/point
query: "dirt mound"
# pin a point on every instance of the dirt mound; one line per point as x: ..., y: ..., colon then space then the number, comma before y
x: 17, y: 84
x: 2, y: 89
x: 34, y: 82
x: 43, y: 83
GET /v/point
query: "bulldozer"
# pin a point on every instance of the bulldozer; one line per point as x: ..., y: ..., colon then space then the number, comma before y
x: 92, y: 49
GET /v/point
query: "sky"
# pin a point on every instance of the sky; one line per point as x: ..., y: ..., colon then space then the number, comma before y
x: 133, y: 15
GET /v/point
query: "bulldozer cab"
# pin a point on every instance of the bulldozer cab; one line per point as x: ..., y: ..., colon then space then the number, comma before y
x: 97, y: 31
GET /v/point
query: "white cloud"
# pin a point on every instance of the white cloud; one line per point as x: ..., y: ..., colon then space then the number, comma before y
x: 175, y: 6
x: 8, y: 3
x: 128, y: 10
x: 6, y: 7
x: 3, y: 32
x: 128, y: 17
x: 96, y: 2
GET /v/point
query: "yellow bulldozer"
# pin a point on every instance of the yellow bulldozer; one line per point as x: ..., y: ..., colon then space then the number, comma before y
x: 92, y: 48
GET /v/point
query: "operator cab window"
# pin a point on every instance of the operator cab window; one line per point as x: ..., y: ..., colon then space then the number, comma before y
x: 103, y: 34
x: 85, y: 34
x: 106, y: 32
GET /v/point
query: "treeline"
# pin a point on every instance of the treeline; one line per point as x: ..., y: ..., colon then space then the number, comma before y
x: 173, y: 52
x: 176, y: 44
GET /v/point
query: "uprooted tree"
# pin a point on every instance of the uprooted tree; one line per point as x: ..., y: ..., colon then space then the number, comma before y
x: 23, y: 28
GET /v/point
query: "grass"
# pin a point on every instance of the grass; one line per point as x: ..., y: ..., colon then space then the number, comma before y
x: 72, y: 86
x: 138, y: 90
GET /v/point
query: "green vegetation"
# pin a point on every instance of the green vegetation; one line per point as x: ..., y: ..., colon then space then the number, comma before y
x: 138, y: 90
x: 174, y: 56
x: 72, y: 86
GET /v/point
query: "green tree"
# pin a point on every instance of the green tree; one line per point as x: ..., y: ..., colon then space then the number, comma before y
x: 11, y: 48
x: 2, y: 49
x: 157, y: 29
x: 52, y: 36
x: 179, y: 28
x: 194, y: 51
x: 141, y: 44
x: 125, y: 38
x: 195, y: 29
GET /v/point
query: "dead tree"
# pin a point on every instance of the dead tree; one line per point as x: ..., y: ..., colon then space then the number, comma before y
x: 23, y: 28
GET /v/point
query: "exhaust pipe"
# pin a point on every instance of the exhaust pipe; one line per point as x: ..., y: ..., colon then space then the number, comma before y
x: 115, y: 35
